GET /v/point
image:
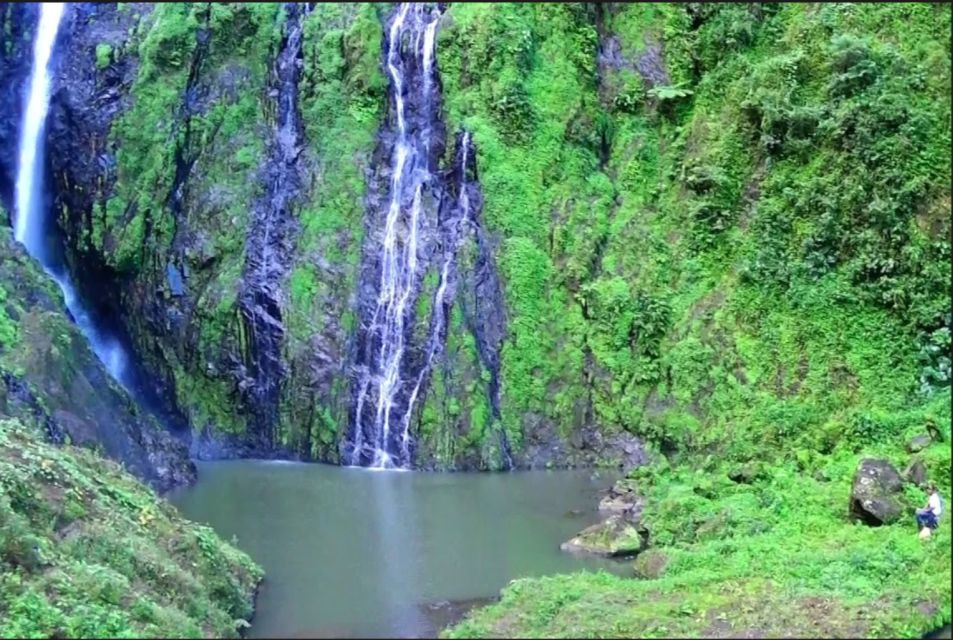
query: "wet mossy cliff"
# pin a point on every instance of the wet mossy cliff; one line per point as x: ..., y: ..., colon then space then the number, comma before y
x: 694, y: 220
x: 51, y: 380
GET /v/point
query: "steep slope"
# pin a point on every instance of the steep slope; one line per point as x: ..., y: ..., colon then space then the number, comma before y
x: 88, y: 551
x: 50, y: 379
x: 755, y: 229
x: 699, y: 236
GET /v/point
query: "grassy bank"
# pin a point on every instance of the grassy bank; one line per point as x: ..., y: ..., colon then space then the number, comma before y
x: 776, y: 555
x: 86, y: 550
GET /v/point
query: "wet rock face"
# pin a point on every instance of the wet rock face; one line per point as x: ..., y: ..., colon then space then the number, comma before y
x: 875, y: 495
x: 402, y: 234
x: 86, y: 99
x: 18, y: 21
x: 50, y: 377
x: 269, y: 249
x: 84, y: 102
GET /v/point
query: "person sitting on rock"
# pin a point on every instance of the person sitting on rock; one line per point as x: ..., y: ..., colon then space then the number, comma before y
x: 929, y: 516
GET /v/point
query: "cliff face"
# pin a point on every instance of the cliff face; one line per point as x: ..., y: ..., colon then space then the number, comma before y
x: 690, y: 224
x: 51, y: 380
x: 18, y: 22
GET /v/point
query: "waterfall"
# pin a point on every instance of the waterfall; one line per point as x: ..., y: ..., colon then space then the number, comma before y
x: 31, y: 211
x: 411, y: 74
x: 439, y: 321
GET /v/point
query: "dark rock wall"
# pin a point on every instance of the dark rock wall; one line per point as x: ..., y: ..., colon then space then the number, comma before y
x: 50, y: 377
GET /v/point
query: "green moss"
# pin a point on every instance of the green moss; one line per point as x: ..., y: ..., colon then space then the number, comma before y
x: 86, y: 550
x: 757, y: 271
x: 8, y: 328
x: 104, y: 53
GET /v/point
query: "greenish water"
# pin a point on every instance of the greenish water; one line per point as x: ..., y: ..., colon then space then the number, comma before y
x: 356, y: 553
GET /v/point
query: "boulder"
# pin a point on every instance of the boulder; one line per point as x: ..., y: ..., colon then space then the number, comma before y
x: 613, y: 537
x: 620, y: 532
x: 874, y: 497
x: 916, y: 473
x: 651, y: 564
x: 622, y: 500
x: 919, y: 443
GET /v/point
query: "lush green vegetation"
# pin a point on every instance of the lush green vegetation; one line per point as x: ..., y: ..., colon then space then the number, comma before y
x: 694, y: 251
x: 754, y: 254
x: 739, y: 213
x: 88, y: 551
x: 722, y: 228
x: 776, y: 557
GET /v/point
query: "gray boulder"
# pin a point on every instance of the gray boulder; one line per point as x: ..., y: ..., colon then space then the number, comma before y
x: 916, y: 473
x: 620, y: 533
x: 875, y: 495
x: 919, y: 443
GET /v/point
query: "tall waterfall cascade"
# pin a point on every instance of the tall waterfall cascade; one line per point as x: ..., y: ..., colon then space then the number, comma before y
x: 439, y: 320
x: 30, y: 190
x: 384, y: 400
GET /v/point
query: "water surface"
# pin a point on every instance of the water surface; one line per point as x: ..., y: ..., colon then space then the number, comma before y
x: 356, y: 553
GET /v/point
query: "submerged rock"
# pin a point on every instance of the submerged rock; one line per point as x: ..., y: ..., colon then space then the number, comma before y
x: 444, y: 613
x: 874, y: 497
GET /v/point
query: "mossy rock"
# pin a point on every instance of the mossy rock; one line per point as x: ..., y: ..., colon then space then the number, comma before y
x: 613, y: 537
x: 919, y: 443
x: 875, y: 496
x: 650, y: 564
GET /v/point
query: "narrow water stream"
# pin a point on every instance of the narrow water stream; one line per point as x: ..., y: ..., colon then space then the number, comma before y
x: 32, y: 210
x: 356, y: 553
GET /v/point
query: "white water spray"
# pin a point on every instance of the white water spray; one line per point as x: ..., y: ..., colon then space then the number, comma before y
x: 30, y: 223
x: 399, y: 259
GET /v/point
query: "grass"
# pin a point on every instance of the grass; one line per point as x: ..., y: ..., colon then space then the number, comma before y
x: 86, y: 550
x: 775, y: 558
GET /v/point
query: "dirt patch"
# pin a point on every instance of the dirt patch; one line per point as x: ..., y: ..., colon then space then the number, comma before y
x: 927, y: 608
